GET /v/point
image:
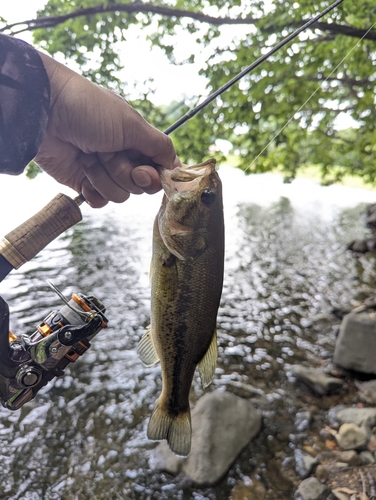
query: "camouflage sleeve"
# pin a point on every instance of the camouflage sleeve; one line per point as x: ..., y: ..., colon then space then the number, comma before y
x: 24, y: 104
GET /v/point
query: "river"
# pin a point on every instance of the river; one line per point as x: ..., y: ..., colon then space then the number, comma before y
x: 84, y: 435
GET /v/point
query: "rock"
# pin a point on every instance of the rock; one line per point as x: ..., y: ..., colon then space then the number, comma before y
x: 322, y: 473
x: 312, y: 489
x: 351, y: 437
x: 367, y: 457
x: 248, y: 489
x: 304, y: 463
x: 302, y: 420
x: 372, y: 444
x: 222, y: 425
x: 358, y: 246
x: 350, y: 457
x: 367, y: 391
x: 364, y: 417
x: 371, y: 216
x: 341, y: 465
x: 340, y: 495
x: 356, y: 342
x: 320, y: 382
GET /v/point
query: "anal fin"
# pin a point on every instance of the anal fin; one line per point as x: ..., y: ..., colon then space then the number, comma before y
x: 146, y: 350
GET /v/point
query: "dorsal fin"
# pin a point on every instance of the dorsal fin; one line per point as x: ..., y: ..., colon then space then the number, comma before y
x: 208, y: 364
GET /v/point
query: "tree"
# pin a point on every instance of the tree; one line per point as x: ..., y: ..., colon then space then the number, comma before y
x: 324, y: 75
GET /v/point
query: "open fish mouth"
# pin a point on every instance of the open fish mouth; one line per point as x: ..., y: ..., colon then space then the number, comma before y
x: 184, y: 178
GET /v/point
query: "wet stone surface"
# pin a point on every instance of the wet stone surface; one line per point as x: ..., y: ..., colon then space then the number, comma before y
x: 84, y: 436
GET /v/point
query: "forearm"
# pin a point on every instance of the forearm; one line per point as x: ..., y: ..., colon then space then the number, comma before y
x: 24, y: 104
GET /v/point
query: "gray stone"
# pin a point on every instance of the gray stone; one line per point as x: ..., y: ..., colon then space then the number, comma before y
x: 350, y: 457
x: 367, y: 457
x: 358, y: 246
x: 312, y: 489
x: 356, y: 343
x: 367, y: 391
x: 341, y: 465
x: 351, y: 437
x: 222, y: 425
x: 321, y: 383
x: 302, y: 420
x: 304, y: 463
x: 364, y: 417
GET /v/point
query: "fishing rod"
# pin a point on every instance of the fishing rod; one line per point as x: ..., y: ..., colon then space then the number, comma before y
x: 191, y: 113
x: 27, y: 240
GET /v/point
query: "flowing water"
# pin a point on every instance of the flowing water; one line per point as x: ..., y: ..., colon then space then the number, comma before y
x: 84, y: 435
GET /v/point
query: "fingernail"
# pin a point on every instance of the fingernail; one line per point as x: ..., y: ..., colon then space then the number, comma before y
x: 176, y: 162
x: 142, y: 178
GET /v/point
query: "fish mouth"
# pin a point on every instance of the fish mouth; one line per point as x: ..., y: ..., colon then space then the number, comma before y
x: 184, y: 178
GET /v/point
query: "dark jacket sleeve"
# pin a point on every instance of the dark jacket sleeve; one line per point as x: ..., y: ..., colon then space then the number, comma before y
x: 24, y: 104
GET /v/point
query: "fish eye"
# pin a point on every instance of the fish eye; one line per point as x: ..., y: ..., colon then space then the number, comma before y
x: 208, y: 197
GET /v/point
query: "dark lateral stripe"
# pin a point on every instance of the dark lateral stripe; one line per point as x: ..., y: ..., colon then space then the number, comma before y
x: 5, y: 268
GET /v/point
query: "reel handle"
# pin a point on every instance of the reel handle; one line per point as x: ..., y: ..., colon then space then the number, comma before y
x: 28, y: 239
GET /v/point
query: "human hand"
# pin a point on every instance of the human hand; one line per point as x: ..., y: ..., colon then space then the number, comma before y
x: 96, y: 143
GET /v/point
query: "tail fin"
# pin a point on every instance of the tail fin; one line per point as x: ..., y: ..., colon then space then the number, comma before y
x: 176, y: 429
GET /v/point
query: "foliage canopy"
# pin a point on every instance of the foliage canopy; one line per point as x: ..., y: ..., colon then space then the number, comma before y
x: 323, y: 78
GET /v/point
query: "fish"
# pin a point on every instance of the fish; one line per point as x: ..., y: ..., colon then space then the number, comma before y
x: 186, y: 276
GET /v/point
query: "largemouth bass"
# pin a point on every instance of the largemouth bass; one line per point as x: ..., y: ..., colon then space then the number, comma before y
x: 186, y: 283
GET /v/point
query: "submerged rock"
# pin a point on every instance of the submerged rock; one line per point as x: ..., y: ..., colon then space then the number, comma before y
x: 302, y: 420
x: 319, y: 382
x: 304, y: 463
x: 356, y: 343
x: 312, y: 489
x: 222, y: 426
x: 248, y: 489
x: 364, y: 417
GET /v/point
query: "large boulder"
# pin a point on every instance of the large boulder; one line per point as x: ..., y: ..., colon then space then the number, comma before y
x: 356, y: 344
x: 222, y: 426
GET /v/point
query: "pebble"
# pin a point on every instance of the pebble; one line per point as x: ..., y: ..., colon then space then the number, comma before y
x: 248, y: 489
x: 341, y: 465
x: 351, y: 436
x: 351, y: 457
x: 312, y: 489
x: 364, y: 417
x: 321, y: 383
x: 367, y: 457
x: 304, y: 463
x: 302, y: 420
x: 367, y: 391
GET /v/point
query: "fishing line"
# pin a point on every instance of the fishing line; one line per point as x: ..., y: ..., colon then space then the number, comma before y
x: 309, y: 98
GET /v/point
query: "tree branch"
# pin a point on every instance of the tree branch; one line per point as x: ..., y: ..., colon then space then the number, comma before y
x: 129, y: 8
x: 137, y: 7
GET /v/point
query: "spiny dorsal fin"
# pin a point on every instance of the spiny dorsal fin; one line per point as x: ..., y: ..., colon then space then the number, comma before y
x: 208, y: 364
x: 146, y: 350
x: 175, y: 428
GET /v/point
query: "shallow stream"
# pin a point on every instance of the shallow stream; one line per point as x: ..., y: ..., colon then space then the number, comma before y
x: 83, y: 437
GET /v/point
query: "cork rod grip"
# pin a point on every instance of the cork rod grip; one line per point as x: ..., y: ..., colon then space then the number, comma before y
x: 28, y: 239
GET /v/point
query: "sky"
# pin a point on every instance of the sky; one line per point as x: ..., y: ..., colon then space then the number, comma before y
x: 140, y: 62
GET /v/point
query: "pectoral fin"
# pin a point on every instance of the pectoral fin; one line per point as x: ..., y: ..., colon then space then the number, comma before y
x: 208, y: 364
x: 146, y: 350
